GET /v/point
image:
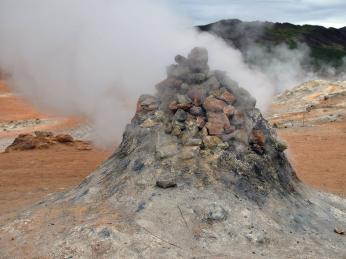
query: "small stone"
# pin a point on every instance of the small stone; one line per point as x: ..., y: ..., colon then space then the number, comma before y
x: 238, y: 118
x: 212, y: 104
x: 180, y: 59
x: 200, y: 122
x: 211, y: 84
x: 198, y: 60
x: 166, y: 150
x: 147, y: 103
x: 216, y: 213
x: 165, y: 184
x: 339, y: 231
x: 176, y: 131
x: 280, y: 146
x: 64, y: 138
x: 229, y: 110
x: 173, y: 106
x: 189, y: 152
x: 196, y: 78
x: 180, y: 115
x: 168, y: 128
x: 193, y: 142
x: 196, y: 111
x: 183, y: 99
x: 258, y: 137
x: 148, y: 123
x: 196, y: 95
x: 211, y: 141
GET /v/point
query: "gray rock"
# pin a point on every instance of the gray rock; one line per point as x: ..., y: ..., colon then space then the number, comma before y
x: 180, y: 115
x: 216, y: 213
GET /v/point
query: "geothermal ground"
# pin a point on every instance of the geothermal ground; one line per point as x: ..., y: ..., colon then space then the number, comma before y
x: 28, y: 176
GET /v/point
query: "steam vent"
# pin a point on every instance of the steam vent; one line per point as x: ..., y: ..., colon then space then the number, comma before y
x: 199, y: 174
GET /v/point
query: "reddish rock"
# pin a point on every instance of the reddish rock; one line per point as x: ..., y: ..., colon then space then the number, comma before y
x: 173, y: 106
x: 147, y: 103
x: 229, y: 110
x: 238, y: 117
x: 218, y: 124
x: 212, y: 104
x: 227, y: 97
x: 64, y: 138
x: 196, y: 95
x: 258, y: 137
x: 200, y: 122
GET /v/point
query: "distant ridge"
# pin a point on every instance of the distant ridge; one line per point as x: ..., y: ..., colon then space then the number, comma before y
x: 328, y: 45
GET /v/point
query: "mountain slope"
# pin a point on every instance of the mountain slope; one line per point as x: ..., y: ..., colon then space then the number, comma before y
x: 327, y: 45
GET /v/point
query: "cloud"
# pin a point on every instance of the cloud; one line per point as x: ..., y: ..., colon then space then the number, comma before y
x: 294, y: 11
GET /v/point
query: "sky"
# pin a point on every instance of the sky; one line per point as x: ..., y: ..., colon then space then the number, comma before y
x: 328, y: 13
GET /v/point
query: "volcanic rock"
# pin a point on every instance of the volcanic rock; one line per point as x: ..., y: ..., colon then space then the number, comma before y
x: 235, y: 195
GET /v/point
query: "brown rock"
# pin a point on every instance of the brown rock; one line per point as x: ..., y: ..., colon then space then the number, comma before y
x: 166, y: 183
x: 43, y: 134
x: 212, y: 104
x: 258, y: 137
x: 229, y: 110
x: 227, y: 97
x: 196, y: 95
x: 173, y: 106
x: 238, y: 118
x: 218, y: 124
x: 200, y: 122
x: 211, y: 141
x: 147, y: 103
x: 64, y: 138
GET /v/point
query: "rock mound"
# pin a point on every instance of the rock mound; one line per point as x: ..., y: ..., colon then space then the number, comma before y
x: 44, y: 140
x: 199, y: 174
x: 311, y: 103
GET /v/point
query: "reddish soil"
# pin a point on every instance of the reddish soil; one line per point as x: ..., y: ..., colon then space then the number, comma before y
x: 319, y: 155
x: 28, y: 176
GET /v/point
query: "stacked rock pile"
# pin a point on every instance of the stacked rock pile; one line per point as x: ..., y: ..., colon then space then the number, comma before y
x: 204, y: 108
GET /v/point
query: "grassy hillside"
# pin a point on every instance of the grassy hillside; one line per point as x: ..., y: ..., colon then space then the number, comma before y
x: 327, y: 45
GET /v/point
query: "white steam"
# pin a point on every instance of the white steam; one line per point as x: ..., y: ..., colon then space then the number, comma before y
x: 95, y: 57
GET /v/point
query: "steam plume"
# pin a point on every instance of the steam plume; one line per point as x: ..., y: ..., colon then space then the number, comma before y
x: 95, y: 57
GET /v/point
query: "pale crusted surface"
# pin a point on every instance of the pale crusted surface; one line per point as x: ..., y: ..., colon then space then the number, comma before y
x: 314, y: 102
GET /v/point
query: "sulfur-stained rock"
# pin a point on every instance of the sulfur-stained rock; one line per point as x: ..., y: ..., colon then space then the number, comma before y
x: 211, y: 141
x: 64, y: 138
x: 148, y: 123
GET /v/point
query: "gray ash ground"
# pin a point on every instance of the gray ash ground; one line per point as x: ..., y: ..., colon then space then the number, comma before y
x: 199, y: 174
